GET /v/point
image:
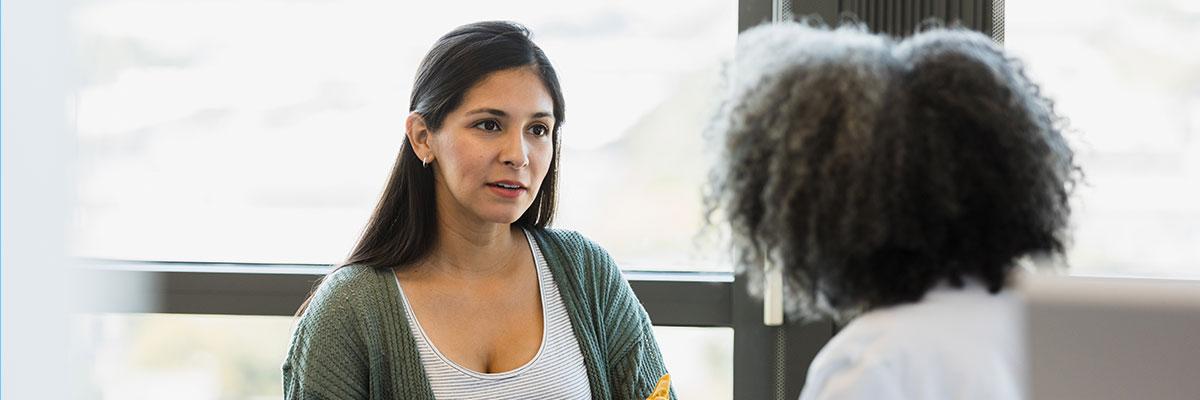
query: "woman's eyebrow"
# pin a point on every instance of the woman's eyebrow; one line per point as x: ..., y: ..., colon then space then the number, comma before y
x: 502, y: 114
x: 492, y: 111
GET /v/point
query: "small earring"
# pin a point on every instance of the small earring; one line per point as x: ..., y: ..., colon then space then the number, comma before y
x: 424, y: 164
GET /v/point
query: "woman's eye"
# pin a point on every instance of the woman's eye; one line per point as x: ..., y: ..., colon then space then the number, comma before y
x: 539, y: 130
x: 488, y: 125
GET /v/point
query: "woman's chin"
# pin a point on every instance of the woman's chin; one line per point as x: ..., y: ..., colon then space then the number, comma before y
x: 502, y: 216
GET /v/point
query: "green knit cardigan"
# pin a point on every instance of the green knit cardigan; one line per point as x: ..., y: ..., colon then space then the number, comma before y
x: 353, y: 341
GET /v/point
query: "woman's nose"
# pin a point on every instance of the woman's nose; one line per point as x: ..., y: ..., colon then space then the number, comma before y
x: 515, y: 153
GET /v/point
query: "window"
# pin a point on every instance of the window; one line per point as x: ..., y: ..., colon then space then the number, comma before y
x: 1127, y: 75
x: 263, y: 131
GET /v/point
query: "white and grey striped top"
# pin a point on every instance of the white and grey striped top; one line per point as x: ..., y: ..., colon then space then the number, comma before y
x: 556, y: 372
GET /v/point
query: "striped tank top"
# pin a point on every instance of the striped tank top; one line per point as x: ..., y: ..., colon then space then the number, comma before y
x: 557, y: 370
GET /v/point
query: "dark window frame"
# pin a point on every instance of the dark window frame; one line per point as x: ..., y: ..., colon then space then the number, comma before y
x: 767, y: 360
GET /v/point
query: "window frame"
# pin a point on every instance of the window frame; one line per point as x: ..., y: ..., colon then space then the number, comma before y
x: 768, y: 361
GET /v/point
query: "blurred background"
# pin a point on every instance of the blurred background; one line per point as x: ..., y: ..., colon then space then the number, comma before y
x: 261, y: 131
x: 1126, y: 74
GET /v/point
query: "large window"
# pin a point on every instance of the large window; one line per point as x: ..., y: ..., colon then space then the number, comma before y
x: 1127, y: 75
x: 264, y: 130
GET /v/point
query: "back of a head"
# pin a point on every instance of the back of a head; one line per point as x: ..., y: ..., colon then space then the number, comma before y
x: 873, y: 170
x: 989, y: 164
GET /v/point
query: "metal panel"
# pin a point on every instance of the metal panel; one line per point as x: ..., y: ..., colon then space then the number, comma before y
x: 997, y: 17
x: 771, y: 362
x: 827, y: 11
x: 751, y: 13
x: 901, y: 17
x: 198, y: 288
x: 754, y: 345
x: 683, y: 300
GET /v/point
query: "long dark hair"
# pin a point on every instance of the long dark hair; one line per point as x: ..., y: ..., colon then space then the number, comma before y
x: 403, y: 226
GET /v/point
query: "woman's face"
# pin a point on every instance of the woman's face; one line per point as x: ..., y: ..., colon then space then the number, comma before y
x: 493, y: 151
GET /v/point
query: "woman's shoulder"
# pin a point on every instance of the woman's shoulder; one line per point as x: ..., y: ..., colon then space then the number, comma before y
x: 346, y: 287
x: 565, y: 237
x: 350, y: 279
x: 572, y: 249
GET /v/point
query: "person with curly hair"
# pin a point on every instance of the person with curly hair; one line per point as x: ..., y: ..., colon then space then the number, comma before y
x: 897, y: 184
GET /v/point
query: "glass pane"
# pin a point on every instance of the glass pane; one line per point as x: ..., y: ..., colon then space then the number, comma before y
x: 211, y: 357
x: 700, y: 360
x: 1127, y: 75
x: 168, y: 356
x: 263, y: 130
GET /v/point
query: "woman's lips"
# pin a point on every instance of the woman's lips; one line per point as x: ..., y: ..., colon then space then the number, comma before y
x: 507, y: 189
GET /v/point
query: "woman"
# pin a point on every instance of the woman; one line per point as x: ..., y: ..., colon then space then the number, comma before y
x: 897, y: 185
x: 456, y: 289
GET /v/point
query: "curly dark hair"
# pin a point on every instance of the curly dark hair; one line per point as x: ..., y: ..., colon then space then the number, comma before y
x: 871, y: 170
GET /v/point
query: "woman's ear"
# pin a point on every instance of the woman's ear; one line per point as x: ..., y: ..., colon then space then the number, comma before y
x: 419, y: 137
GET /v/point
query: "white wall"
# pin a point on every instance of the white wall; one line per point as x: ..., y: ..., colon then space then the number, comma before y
x: 36, y: 191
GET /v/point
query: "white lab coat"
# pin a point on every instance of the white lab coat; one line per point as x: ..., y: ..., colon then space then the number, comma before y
x: 953, y: 344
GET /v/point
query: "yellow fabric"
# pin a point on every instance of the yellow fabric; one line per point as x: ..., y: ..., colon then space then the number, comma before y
x: 662, y: 391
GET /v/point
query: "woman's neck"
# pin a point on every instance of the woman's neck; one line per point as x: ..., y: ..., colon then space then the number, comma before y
x: 471, y: 248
